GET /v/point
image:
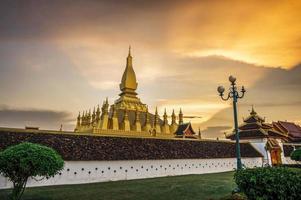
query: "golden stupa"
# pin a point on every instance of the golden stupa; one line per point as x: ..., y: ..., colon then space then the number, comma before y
x: 127, y: 116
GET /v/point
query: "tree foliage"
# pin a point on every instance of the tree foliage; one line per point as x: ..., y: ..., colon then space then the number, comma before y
x: 296, y: 155
x: 270, y: 183
x: 25, y: 160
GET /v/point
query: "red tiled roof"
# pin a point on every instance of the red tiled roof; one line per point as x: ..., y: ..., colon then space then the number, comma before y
x: 248, y: 126
x: 291, y: 129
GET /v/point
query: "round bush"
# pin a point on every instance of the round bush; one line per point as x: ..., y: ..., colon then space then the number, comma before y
x: 296, y: 155
x: 270, y: 183
x: 25, y: 160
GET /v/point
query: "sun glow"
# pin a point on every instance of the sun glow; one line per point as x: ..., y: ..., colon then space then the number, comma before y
x: 196, y: 112
x: 235, y: 55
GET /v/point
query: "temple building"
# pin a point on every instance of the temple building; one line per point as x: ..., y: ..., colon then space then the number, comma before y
x: 268, y: 138
x: 255, y: 126
x: 127, y: 115
x: 185, y: 130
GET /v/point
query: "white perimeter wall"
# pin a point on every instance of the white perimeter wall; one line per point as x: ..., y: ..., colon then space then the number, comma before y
x: 290, y: 161
x: 76, y: 172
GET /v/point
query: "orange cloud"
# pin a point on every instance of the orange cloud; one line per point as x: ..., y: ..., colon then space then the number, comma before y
x: 265, y: 33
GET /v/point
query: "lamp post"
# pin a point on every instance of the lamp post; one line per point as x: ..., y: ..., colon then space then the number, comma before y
x: 234, y: 94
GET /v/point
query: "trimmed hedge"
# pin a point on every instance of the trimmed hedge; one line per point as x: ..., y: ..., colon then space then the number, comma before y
x: 85, y: 148
x: 270, y: 183
x: 296, y: 155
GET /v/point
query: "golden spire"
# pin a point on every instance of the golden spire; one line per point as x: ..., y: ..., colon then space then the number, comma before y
x: 156, y: 118
x: 84, y: 118
x: 128, y: 83
x: 180, y: 117
x: 165, y: 117
x: 173, y: 117
x: 97, y: 113
x: 89, y: 117
x: 93, y: 115
x: 105, y: 107
x: 78, y: 120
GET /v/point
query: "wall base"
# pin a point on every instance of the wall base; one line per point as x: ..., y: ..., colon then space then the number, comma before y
x: 77, y: 172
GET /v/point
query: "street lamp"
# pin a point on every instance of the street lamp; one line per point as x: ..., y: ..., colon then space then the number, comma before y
x: 234, y: 94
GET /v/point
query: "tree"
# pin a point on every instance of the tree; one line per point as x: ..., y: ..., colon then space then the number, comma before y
x: 25, y: 160
x: 296, y: 155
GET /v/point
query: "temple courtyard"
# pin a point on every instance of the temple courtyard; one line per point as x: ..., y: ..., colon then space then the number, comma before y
x: 205, y: 186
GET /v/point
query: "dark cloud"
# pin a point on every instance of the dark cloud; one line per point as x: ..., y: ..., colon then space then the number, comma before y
x: 192, y: 117
x: 50, y: 19
x: 45, y: 119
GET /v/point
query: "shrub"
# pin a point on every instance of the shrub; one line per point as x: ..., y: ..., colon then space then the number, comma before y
x: 296, y: 155
x: 270, y: 183
x: 25, y: 160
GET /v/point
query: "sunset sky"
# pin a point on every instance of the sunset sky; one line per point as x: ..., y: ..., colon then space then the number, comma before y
x: 61, y: 57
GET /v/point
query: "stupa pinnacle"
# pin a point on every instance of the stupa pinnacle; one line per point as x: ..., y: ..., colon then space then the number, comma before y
x: 128, y: 83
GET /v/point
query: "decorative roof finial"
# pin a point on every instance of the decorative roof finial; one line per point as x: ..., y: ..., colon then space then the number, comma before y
x: 253, y: 111
x: 130, y: 50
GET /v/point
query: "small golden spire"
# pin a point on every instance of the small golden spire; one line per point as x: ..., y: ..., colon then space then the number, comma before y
x: 173, y: 117
x: 83, y: 119
x: 97, y: 113
x: 78, y: 120
x: 130, y: 51
x: 180, y: 117
x: 165, y: 117
x: 93, y: 114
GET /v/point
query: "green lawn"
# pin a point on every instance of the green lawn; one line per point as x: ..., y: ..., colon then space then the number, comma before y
x: 206, y: 186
